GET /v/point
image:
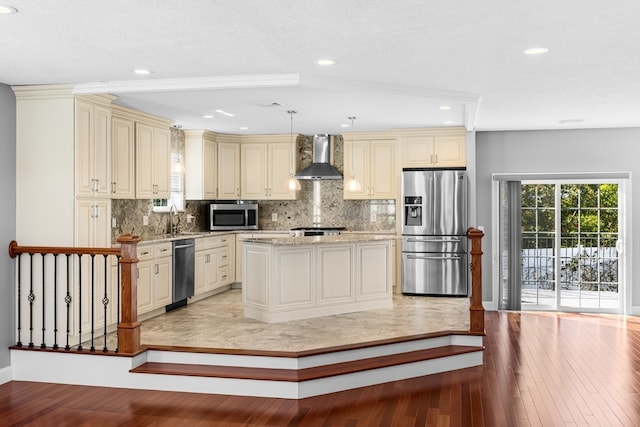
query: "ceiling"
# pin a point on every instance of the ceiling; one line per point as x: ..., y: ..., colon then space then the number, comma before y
x: 398, y: 61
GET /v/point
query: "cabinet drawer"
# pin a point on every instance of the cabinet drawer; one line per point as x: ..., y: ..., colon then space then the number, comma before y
x: 223, y: 275
x: 162, y: 249
x: 223, y: 256
x: 204, y: 243
x: 145, y: 253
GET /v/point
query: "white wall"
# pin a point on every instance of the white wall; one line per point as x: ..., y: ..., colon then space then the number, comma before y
x: 7, y: 221
x: 589, y: 150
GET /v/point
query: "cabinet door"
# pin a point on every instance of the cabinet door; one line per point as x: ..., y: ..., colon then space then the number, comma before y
x: 162, y: 163
x: 122, y: 159
x: 382, y: 176
x: 417, y: 151
x: 228, y: 171
x: 145, y: 287
x: 144, y: 161
x: 356, y: 163
x: 253, y: 160
x: 84, y: 181
x: 210, y: 172
x: 101, y: 151
x: 450, y: 151
x: 211, y: 270
x: 92, y: 150
x: 279, y: 167
x: 162, y: 282
x: 199, y: 276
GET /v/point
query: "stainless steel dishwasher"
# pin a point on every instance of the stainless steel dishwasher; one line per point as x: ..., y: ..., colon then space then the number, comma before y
x: 183, y: 271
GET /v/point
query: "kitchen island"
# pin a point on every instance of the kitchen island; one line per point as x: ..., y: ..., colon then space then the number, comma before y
x: 302, y: 277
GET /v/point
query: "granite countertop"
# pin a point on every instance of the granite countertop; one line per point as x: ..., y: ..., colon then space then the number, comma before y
x: 345, y: 236
x: 307, y: 240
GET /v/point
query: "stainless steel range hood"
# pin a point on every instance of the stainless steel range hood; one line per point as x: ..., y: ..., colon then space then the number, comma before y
x: 321, y: 167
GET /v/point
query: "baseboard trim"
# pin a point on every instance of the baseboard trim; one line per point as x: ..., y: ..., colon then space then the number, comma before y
x: 6, y: 375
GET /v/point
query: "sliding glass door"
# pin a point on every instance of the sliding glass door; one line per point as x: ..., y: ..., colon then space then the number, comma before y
x: 570, y: 234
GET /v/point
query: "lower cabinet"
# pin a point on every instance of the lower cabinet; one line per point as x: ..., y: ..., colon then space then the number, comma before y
x: 154, y: 276
x: 215, y: 266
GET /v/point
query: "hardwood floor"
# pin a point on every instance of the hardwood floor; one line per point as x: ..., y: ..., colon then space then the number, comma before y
x: 541, y: 369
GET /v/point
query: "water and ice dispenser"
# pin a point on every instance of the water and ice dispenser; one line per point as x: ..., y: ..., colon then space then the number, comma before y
x: 413, y: 211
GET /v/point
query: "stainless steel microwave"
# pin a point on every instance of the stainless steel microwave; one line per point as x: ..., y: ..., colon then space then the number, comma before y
x: 228, y: 216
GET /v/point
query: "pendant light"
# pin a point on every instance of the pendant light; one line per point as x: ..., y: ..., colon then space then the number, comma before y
x: 353, y: 185
x: 292, y: 184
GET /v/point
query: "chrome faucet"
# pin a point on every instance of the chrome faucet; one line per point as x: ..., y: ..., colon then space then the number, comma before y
x: 173, y: 212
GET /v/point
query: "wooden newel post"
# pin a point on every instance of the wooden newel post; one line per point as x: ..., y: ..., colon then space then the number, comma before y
x: 476, y: 310
x: 129, y: 327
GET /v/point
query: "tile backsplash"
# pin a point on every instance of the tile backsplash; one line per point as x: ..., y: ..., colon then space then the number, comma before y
x: 318, y: 201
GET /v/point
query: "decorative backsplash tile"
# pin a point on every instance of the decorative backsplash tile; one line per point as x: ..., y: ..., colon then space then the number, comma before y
x: 333, y: 210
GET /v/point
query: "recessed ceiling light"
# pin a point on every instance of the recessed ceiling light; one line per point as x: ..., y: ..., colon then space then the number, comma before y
x: 445, y: 107
x: 207, y: 116
x: 448, y: 122
x: 244, y: 128
x: 326, y: 62
x: 535, y: 51
x: 142, y: 72
x: 6, y: 10
x: 345, y: 125
x: 224, y: 113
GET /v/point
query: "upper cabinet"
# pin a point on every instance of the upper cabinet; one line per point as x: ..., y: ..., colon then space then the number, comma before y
x: 265, y: 167
x: 123, y: 177
x: 228, y: 167
x: 92, y: 149
x: 201, y: 165
x: 153, y: 162
x: 373, y: 164
x: 433, y: 148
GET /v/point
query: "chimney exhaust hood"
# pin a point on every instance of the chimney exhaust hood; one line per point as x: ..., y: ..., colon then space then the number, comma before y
x: 321, y: 167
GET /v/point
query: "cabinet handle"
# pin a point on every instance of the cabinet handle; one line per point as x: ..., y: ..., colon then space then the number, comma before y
x: 224, y: 257
x: 207, y: 258
x: 224, y: 277
x: 436, y: 157
x: 145, y: 253
x: 157, y: 268
x: 238, y: 192
x: 266, y: 191
x: 164, y: 250
x: 113, y: 187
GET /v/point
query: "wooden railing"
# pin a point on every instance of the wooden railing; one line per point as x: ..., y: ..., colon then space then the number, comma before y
x: 60, y: 285
x: 476, y: 310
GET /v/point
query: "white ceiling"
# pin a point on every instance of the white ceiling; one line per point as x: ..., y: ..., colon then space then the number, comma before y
x: 398, y: 60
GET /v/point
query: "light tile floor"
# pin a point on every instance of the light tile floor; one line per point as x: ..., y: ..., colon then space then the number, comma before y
x: 218, y: 322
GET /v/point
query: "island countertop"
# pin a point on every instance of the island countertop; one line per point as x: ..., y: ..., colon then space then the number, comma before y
x: 306, y: 240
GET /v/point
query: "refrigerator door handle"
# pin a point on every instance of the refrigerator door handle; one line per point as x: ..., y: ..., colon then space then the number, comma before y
x: 438, y: 258
x: 428, y: 240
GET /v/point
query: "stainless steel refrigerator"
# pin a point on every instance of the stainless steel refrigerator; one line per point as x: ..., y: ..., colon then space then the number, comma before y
x: 434, y: 227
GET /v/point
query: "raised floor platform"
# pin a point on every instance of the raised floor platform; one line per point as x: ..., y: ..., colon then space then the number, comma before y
x: 209, y: 347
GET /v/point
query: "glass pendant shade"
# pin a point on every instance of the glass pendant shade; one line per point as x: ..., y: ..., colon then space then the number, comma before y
x: 353, y: 185
x: 292, y: 184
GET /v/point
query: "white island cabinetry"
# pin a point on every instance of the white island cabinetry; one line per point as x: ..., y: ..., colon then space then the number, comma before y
x: 303, y: 277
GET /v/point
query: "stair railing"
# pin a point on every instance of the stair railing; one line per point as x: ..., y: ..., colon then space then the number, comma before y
x: 70, y: 287
x: 476, y: 310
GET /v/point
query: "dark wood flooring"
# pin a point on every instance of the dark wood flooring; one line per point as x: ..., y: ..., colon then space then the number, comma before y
x: 541, y: 369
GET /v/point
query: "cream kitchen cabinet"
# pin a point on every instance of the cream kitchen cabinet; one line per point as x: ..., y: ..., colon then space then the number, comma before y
x: 241, y: 237
x: 228, y: 170
x: 154, y: 276
x: 374, y: 166
x: 435, y: 148
x: 153, y: 145
x: 201, y: 165
x: 265, y: 169
x: 214, y: 263
x: 92, y: 221
x: 92, y: 149
x: 123, y: 176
